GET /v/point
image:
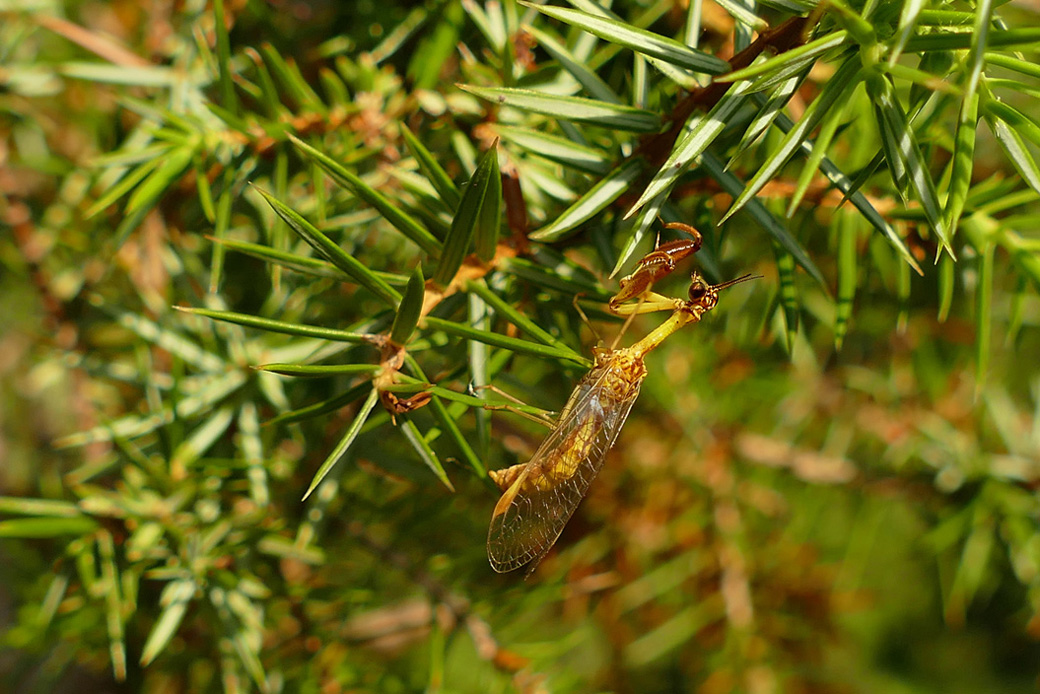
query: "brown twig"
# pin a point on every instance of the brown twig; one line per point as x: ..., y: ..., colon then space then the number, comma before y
x: 784, y: 37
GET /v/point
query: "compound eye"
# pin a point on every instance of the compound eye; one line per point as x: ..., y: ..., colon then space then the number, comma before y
x: 697, y: 292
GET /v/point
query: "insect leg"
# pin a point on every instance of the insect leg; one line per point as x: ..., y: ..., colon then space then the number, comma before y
x: 650, y: 302
x: 543, y: 417
x: 584, y: 318
x: 656, y: 265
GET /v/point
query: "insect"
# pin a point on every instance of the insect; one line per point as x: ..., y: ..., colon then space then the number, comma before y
x: 657, y: 264
x: 541, y: 495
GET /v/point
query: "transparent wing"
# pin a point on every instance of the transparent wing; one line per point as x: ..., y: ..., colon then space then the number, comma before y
x: 534, y: 510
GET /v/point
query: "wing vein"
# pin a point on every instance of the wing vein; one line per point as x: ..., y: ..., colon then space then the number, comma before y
x: 534, y: 510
